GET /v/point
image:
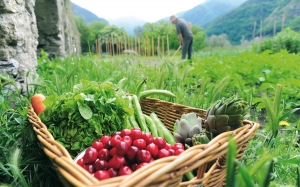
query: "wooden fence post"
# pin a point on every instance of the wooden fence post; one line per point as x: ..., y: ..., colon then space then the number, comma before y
x: 158, y: 45
x: 125, y: 44
x: 135, y: 45
x: 139, y: 46
x: 168, y: 45
x: 145, y: 46
x: 163, y: 46
x: 96, y: 43
x: 128, y: 42
x: 148, y: 47
x: 106, y: 44
x: 112, y: 44
x: 152, y: 47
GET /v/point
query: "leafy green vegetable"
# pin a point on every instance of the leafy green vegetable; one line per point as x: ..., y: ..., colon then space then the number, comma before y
x: 93, y: 109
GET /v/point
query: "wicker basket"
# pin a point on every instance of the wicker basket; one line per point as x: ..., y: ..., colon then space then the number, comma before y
x: 167, y: 171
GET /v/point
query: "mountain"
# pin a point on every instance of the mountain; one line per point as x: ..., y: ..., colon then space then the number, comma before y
x: 128, y: 23
x: 239, y: 23
x: 209, y: 10
x: 86, y: 14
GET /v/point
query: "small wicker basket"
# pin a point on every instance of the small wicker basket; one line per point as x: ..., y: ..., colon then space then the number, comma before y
x: 166, y: 171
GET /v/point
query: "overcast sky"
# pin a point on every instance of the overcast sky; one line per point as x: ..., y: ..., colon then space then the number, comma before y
x: 147, y: 10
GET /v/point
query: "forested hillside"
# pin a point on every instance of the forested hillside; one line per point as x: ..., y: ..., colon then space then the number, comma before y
x: 86, y: 15
x: 264, y: 14
x: 209, y: 10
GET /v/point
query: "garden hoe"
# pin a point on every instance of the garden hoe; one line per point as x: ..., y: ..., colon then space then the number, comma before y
x: 176, y: 52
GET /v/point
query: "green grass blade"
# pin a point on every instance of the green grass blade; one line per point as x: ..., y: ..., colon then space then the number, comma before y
x: 288, y: 114
x: 294, y: 160
x: 298, y: 177
x: 230, y: 163
x: 220, y: 88
x: 268, y: 176
x: 259, y: 164
x: 245, y: 175
x: 5, y: 170
x: 272, y: 117
x: 277, y: 98
x: 19, y: 174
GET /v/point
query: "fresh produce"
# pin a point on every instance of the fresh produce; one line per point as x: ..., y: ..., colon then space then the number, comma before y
x: 92, y: 110
x: 139, y: 88
x: 124, y: 152
x: 200, y: 138
x: 225, y: 115
x: 152, y: 126
x: 148, y: 93
x: 187, y: 127
x: 37, y: 103
x: 139, y: 114
x: 132, y: 119
x: 163, y: 129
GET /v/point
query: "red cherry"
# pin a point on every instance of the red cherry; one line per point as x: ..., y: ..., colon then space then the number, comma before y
x: 124, y: 170
x: 141, y: 165
x: 136, y: 133
x: 131, y: 153
x: 115, y: 140
x: 90, y: 155
x: 117, y: 161
x: 121, y: 148
x: 89, y: 167
x: 163, y: 153
x: 80, y: 162
x: 153, y: 149
x: 178, y: 152
x: 112, y: 172
x: 97, y: 145
x: 139, y: 143
x: 102, y: 174
x: 125, y: 132
x: 100, y: 165
x: 147, y: 137
x: 160, y: 142
x: 127, y: 139
x: 144, y: 156
x: 103, y: 154
x: 178, y: 146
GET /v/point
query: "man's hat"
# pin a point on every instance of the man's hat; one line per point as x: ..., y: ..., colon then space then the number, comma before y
x: 173, y: 18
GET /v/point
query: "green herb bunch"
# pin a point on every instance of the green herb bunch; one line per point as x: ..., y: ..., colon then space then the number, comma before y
x: 93, y: 109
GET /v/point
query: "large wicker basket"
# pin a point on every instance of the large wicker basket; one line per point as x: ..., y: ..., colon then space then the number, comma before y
x: 167, y: 171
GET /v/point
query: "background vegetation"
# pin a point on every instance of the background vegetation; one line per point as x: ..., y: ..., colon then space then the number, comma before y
x: 272, y: 156
x: 264, y: 73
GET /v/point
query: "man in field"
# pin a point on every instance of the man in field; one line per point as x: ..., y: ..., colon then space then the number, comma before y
x: 185, y: 36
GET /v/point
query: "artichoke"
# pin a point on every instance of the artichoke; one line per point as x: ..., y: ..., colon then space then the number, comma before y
x: 185, y: 128
x: 226, y: 115
x: 200, y: 138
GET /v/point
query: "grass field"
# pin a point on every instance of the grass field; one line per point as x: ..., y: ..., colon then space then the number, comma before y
x: 270, y: 83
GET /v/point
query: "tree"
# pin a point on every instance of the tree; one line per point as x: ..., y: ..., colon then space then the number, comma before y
x: 88, y: 33
x: 161, y: 29
x: 199, y: 37
x: 110, y: 31
x: 218, y: 41
x: 96, y: 27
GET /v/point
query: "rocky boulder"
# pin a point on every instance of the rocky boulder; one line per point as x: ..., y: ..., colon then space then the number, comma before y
x: 18, y: 40
x: 58, y: 34
x: 28, y: 26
